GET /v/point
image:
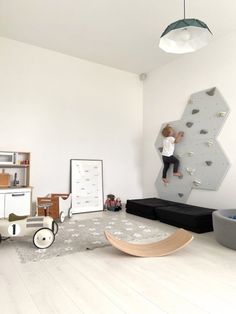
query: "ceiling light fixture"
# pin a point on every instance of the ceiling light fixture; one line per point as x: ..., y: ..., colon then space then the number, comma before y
x: 185, y: 36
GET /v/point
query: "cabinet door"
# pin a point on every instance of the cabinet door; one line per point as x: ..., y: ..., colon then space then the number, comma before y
x: 2, y: 197
x: 17, y: 203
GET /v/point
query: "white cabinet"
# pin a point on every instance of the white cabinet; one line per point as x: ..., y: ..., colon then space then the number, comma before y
x: 17, y: 201
x: 2, y: 206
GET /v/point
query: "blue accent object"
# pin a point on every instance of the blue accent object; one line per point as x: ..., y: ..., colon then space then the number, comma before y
x: 233, y: 217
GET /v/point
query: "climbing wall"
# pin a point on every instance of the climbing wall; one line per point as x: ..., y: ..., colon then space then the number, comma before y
x: 203, y: 163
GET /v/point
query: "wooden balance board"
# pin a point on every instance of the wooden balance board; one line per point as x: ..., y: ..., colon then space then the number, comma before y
x: 167, y: 246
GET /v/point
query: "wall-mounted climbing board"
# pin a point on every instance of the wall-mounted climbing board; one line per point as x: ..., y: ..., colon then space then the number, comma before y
x: 202, y: 160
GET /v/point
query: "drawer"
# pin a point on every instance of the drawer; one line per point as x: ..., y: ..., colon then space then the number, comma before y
x: 2, y: 205
x: 18, y: 203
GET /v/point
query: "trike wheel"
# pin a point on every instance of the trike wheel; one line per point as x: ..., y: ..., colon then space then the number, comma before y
x: 43, y: 238
x: 62, y: 217
x: 70, y: 213
x: 54, y: 227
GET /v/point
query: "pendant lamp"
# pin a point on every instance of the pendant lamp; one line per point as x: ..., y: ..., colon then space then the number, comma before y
x: 185, y: 36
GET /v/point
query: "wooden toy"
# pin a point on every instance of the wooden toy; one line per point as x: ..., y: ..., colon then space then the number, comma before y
x: 167, y: 246
x: 57, y: 206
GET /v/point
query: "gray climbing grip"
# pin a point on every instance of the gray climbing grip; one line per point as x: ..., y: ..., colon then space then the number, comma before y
x: 197, y: 182
x: 189, y: 124
x: 211, y: 92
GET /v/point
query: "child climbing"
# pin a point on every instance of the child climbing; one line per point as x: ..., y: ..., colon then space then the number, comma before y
x: 168, y: 150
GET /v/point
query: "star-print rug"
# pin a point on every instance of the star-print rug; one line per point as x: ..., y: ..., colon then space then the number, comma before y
x: 75, y: 235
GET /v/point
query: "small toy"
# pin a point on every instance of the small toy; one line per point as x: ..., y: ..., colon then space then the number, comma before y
x: 118, y: 204
x: 43, y: 229
x: 112, y: 203
x: 58, y: 206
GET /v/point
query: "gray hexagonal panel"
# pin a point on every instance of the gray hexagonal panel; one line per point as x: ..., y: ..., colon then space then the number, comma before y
x: 203, y: 163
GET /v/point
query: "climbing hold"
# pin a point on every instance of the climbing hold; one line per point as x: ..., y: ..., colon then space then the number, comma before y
x: 190, y: 102
x: 221, y: 114
x: 189, y: 124
x: 203, y: 131
x: 208, y: 162
x: 209, y: 143
x: 190, y: 171
x: 197, y: 183
x: 180, y: 194
x: 160, y: 149
x: 190, y: 154
x: 194, y: 111
x: 211, y: 91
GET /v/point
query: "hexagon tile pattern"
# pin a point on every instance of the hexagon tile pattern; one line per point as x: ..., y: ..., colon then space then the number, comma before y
x: 203, y: 163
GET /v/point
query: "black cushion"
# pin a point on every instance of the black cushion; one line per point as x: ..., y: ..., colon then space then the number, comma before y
x: 143, y: 207
x: 194, y: 218
x: 190, y: 217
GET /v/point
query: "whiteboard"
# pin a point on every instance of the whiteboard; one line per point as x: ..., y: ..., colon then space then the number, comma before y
x: 86, y: 182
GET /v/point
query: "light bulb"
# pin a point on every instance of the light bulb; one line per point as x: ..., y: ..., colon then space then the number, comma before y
x: 185, y: 34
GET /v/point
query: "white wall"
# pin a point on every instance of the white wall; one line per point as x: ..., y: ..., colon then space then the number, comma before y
x: 166, y: 92
x: 58, y: 107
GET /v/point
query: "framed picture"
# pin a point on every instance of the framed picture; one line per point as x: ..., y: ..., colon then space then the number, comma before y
x: 86, y: 185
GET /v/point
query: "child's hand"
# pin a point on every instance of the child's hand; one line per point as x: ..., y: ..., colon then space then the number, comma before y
x: 181, y: 134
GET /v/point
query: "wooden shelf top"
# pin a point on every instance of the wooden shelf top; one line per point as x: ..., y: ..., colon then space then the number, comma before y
x: 14, y: 166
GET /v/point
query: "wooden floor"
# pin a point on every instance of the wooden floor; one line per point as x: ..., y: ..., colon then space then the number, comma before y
x: 201, y: 278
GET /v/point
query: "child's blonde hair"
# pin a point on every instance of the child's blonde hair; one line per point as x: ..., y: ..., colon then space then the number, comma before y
x: 166, y: 131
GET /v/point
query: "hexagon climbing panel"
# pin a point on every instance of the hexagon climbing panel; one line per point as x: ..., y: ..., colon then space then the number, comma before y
x: 203, y: 163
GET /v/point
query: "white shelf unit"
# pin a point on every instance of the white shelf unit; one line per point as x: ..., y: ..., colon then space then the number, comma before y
x: 17, y: 197
x: 19, y: 165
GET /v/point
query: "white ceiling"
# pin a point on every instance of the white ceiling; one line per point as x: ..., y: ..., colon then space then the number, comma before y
x: 120, y: 33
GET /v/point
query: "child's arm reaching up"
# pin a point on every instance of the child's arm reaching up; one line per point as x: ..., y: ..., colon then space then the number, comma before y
x: 178, y: 137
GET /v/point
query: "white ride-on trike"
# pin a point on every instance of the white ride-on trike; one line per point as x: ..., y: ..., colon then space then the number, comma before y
x: 42, y: 229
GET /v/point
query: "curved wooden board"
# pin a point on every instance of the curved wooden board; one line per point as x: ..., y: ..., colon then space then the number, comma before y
x: 167, y: 246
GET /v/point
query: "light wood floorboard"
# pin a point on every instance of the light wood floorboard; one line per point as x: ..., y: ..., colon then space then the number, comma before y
x: 199, y: 279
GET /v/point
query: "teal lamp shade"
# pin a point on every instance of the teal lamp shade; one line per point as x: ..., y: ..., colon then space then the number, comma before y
x: 185, y: 36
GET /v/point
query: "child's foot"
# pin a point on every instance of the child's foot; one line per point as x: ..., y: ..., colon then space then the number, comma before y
x: 177, y: 174
x: 164, y: 180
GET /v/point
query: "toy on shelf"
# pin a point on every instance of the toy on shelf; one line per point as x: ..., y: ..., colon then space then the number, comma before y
x: 43, y: 229
x: 58, y: 206
x: 112, y: 203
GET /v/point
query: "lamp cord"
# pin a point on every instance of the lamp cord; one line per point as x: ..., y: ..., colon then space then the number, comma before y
x: 184, y: 9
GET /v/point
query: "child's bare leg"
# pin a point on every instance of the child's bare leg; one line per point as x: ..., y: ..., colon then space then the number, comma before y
x: 177, y: 174
x: 176, y: 166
